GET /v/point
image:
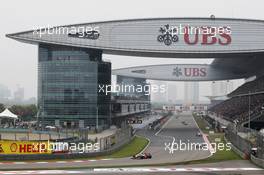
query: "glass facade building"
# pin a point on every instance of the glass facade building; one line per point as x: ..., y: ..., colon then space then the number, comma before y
x: 68, y: 81
x: 136, y: 88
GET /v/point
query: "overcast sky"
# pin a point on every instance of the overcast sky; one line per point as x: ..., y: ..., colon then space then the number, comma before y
x: 19, y: 60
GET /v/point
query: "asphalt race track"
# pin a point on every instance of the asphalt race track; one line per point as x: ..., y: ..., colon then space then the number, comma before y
x: 173, y: 128
x: 179, y: 127
x: 182, y: 128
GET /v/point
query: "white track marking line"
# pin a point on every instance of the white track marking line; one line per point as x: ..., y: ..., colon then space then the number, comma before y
x: 204, y: 138
x: 156, y: 134
x: 78, y: 161
x: 59, y: 162
x: 19, y: 162
x: 133, y: 170
x: 149, y: 141
x: 206, y: 169
x: 106, y: 159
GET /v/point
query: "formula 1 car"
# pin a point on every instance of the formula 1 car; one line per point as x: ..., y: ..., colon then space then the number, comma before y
x: 184, y: 123
x: 142, y: 156
x: 198, y: 134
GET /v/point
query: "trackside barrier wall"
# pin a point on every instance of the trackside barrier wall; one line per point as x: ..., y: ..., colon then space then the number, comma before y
x: 108, y: 145
x: 242, y: 146
x: 240, y: 153
x: 159, y: 123
x: 240, y: 143
x: 257, y: 161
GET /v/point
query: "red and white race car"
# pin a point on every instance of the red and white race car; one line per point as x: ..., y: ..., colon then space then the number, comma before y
x: 142, y: 156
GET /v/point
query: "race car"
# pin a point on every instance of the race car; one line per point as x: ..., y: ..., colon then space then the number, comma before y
x: 198, y: 134
x: 142, y: 156
x: 184, y: 123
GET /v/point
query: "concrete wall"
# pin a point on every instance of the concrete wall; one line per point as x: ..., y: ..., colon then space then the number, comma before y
x: 257, y: 161
x: 63, y: 156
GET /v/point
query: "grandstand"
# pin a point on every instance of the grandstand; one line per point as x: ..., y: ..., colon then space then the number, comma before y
x: 247, y: 100
x: 256, y: 86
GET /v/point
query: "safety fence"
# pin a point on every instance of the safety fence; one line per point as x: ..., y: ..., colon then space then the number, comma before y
x: 246, y: 140
x: 121, y: 137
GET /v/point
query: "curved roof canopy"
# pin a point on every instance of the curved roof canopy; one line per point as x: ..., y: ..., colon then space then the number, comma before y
x: 158, y: 37
x: 7, y: 114
x: 236, y: 44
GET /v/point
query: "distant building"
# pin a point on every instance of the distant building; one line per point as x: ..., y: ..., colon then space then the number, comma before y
x: 172, y: 92
x: 161, y: 97
x: 32, y: 100
x: 222, y: 88
x: 4, y: 93
x: 130, y: 99
x: 191, y: 93
x: 19, y: 94
x: 132, y: 87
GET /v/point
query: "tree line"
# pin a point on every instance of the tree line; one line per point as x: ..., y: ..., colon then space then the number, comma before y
x: 24, y: 112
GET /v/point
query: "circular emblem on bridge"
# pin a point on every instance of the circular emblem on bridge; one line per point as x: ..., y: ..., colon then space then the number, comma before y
x: 167, y: 35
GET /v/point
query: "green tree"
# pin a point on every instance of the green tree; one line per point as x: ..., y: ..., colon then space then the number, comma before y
x: 2, y: 107
x: 25, y: 112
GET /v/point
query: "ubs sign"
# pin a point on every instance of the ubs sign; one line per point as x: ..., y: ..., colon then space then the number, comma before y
x: 189, y: 72
x: 204, y: 35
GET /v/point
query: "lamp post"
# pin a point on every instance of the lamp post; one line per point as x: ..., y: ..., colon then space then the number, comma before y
x: 249, y: 117
x: 37, y: 118
x: 87, y: 133
x: 97, y: 119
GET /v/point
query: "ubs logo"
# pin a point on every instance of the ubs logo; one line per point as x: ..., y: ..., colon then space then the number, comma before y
x: 167, y: 35
x: 189, y: 72
x: 177, y: 72
x: 201, y: 35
